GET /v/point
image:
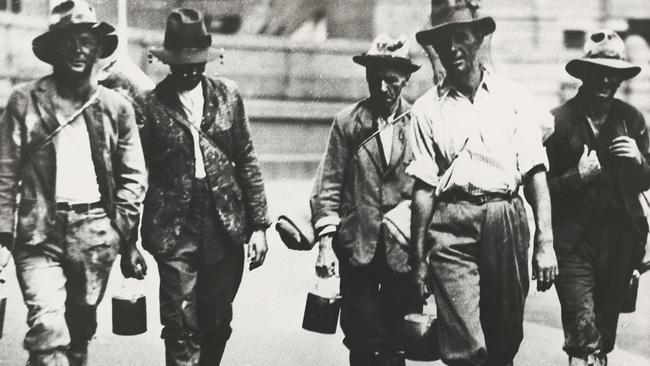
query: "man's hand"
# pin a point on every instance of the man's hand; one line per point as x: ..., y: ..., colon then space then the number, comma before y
x: 420, y: 275
x: 257, y: 249
x: 625, y: 147
x: 544, y: 263
x: 588, y: 165
x: 326, y: 263
x: 133, y: 264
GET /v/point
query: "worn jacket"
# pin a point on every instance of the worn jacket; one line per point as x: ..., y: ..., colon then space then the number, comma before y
x: 230, y: 161
x: 616, y: 190
x: 356, y: 188
x: 116, y: 155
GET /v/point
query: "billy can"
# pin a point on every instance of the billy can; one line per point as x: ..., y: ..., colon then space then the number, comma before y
x: 129, y: 310
x: 420, y: 335
x: 322, y: 307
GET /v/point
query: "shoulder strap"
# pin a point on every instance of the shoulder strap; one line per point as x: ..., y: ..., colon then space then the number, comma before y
x: 374, y: 134
x: 202, y: 134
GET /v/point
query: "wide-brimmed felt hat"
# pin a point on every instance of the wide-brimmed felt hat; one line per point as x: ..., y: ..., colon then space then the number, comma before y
x: 386, y: 51
x: 73, y: 15
x: 186, y: 39
x: 450, y: 14
x: 604, y: 52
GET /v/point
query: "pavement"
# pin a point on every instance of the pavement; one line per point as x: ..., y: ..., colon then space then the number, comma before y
x: 269, y: 309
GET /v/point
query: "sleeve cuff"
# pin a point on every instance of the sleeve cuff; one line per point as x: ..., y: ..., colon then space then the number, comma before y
x: 422, y: 171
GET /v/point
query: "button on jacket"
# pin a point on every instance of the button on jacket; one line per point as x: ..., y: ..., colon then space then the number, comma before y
x: 233, y: 174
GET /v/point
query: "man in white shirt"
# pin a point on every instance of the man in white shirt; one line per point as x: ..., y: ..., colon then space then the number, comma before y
x: 475, y: 143
x: 362, y: 179
x: 70, y: 155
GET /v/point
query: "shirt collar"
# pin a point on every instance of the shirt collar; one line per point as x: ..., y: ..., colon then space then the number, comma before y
x: 446, y: 87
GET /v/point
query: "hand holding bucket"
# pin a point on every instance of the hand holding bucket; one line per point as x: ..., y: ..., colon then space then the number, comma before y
x: 323, y: 306
x: 129, y: 309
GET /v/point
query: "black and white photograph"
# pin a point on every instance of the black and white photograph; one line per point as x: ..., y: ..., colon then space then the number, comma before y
x: 324, y: 182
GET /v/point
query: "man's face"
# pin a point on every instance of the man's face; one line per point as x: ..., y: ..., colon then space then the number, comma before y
x: 77, y: 53
x: 600, y: 84
x: 458, y: 49
x: 385, y: 85
x: 187, y: 76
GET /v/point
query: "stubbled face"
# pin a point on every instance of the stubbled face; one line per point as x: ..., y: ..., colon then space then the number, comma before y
x: 458, y: 49
x: 600, y: 85
x: 77, y: 53
x: 187, y: 76
x: 385, y: 86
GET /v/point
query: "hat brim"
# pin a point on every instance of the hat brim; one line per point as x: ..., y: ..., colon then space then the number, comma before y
x: 186, y: 55
x: 579, y: 68
x: 485, y: 24
x: 386, y: 61
x: 43, y: 45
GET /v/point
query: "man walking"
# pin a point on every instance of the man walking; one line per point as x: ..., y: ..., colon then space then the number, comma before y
x: 598, y: 157
x: 475, y: 144
x: 362, y: 178
x: 206, y: 196
x: 72, y: 178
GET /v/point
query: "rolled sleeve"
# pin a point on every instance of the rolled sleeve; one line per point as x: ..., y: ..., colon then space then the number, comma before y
x: 423, y: 166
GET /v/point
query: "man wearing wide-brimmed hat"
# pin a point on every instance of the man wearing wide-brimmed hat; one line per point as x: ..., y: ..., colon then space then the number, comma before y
x: 476, y: 142
x: 72, y: 178
x: 599, y: 160
x: 362, y: 177
x: 206, y: 197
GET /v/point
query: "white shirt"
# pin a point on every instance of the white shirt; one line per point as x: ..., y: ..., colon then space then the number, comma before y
x: 386, y: 128
x: 76, y: 181
x: 192, y: 102
x: 487, y: 145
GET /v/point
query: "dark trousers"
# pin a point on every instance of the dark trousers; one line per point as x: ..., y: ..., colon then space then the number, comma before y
x: 199, y: 279
x: 479, y: 266
x: 374, y: 302
x: 63, y: 280
x: 596, y: 262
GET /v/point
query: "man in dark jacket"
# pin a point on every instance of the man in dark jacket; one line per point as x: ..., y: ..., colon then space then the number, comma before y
x: 70, y: 155
x: 361, y: 180
x: 598, y: 157
x: 206, y: 196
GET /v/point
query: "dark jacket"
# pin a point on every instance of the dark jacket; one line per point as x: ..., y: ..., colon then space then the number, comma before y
x: 232, y: 169
x: 356, y: 187
x: 116, y: 155
x: 617, y: 188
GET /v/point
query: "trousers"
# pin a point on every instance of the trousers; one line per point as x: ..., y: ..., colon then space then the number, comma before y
x: 199, y: 279
x: 62, y: 281
x: 596, y: 260
x: 374, y: 302
x: 479, y: 267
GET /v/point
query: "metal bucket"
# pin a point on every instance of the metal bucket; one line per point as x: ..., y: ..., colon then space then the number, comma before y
x: 420, y: 335
x: 629, y: 299
x: 129, y: 315
x: 321, y: 313
x: 3, y: 308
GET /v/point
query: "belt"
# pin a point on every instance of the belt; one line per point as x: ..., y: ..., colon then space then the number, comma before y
x: 78, y: 207
x: 480, y: 199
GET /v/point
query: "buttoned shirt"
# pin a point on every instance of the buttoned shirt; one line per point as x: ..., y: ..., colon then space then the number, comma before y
x: 386, y: 128
x: 76, y: 181
x: 482, y: 146
x: 192, y: 103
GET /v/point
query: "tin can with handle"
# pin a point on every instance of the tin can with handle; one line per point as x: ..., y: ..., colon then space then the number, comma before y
x: 322, y: 307
x: 129, y: 309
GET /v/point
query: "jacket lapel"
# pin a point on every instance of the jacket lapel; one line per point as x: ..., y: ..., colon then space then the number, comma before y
x: 170, y: 102
x: 94, y: 119
x: 212, y: 100
x: 366, y: 121
x: 45, y: 106
x: 399, y: 139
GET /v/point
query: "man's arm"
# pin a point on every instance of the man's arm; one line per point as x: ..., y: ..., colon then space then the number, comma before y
x: 545, y: 268
x: 11, y: 136
x: 130, y: 175
x: 421, y: 214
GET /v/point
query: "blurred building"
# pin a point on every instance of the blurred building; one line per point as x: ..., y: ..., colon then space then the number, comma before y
x: 292, y: 58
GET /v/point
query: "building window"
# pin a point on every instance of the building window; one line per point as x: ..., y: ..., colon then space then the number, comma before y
x: 574, y: 39
x: 13, y: 5
x: 3, y: 5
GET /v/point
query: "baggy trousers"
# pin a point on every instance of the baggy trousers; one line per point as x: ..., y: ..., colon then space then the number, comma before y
x: 374, y: 302
x: 479, y: 265
x: 62, y: 281
x: 596, y: 262
x: 199, y: 279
